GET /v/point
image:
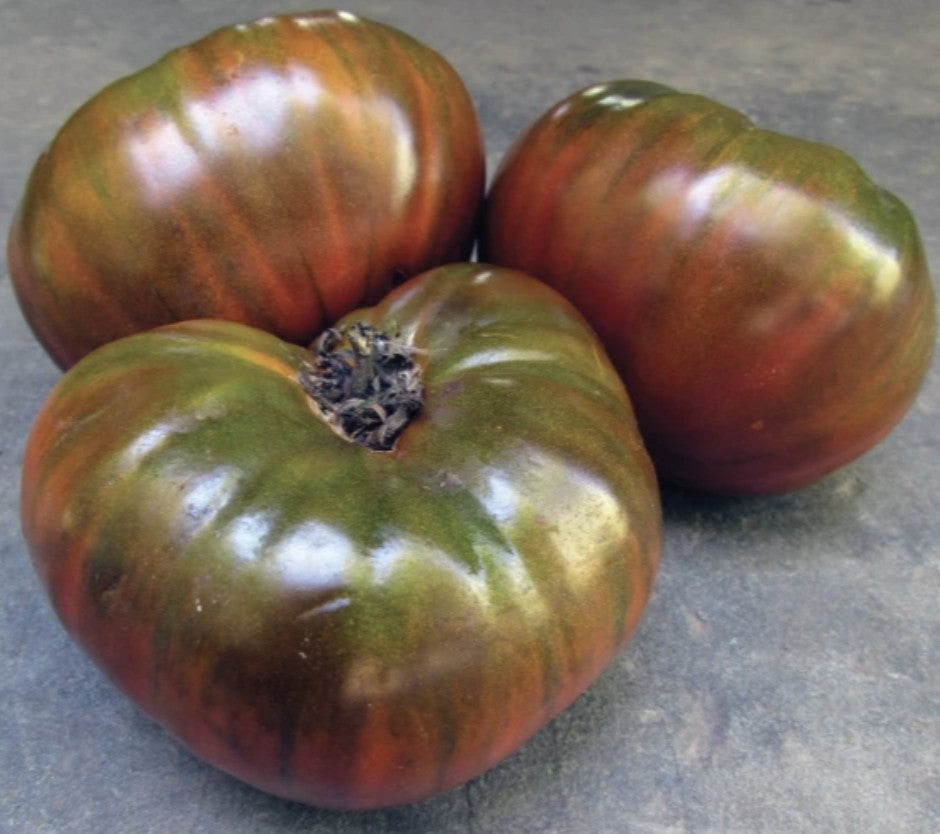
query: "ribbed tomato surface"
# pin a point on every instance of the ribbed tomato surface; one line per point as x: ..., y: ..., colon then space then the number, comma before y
x: 768, y: 305
x: 277, y: 173
x: 347, y: 627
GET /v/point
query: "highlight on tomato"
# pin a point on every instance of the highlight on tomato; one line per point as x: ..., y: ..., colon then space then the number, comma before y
x: 768, y: 306
x: 279, y: 173
x: 358, y: 574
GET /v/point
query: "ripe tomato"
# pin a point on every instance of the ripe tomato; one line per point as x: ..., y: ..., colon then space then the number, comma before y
x: 278, y: 173
x: 343, y: 626
x: 767, y: 305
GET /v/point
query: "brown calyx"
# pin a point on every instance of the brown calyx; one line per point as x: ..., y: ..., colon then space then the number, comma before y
x: 365, y: 384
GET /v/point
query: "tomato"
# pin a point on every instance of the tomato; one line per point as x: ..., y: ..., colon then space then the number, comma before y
x: 278, y: 173
x: 339, y: 625
x: 767, y: 305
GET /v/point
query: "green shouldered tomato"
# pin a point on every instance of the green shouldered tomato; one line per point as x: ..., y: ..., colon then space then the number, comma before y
x: 344, y: 626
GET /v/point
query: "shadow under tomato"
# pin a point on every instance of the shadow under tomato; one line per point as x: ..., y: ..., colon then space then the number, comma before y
x: 830, y: 503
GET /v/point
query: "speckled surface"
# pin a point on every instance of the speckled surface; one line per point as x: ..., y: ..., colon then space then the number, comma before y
x: 785, y: 677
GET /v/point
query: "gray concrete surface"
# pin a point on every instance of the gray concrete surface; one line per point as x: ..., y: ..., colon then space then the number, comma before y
x: 785, y: 677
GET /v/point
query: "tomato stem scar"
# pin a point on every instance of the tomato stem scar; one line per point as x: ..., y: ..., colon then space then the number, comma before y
x: 365, y: 384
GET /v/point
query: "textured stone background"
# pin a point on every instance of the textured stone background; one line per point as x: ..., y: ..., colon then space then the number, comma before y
x: 785, y: 678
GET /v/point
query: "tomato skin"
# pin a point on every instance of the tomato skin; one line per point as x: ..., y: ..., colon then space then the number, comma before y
x: 345, y: 627
x: 278, y: 173
x: 768, y: 307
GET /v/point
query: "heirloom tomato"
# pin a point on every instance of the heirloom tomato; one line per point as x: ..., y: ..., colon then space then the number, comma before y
x: 328, y: 622
x: 278, y: 173
x: 768, y: 306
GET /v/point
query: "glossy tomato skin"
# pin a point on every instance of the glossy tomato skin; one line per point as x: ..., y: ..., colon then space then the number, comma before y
x: 278, y: 173
x: 767, y: 305
x: 346, y: 627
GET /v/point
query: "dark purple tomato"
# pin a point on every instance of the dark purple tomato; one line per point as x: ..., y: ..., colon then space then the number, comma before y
x: 768, y: 306
x: 344, y: 626
x: 278, y: 173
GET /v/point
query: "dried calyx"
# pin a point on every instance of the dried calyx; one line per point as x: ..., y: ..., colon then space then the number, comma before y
x: 365, y: 384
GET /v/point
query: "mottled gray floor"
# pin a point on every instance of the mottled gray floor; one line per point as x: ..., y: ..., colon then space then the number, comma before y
x: 785, y: 677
